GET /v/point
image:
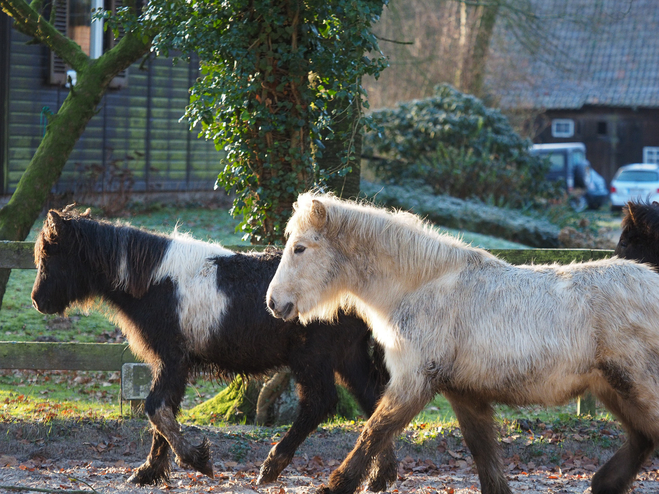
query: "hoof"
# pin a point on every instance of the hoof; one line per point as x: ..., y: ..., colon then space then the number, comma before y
x: 198, y: 458
x: 145, y: 476
x: 323, y: 490
x: 207, y: 469
x: 271, y: 469
x: 266, y: 478
x: 272, y: 466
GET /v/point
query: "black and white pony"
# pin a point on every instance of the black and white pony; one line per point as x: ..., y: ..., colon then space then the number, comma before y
x: 187, y: 305
x: 456, y: 320
x: 639, y: 239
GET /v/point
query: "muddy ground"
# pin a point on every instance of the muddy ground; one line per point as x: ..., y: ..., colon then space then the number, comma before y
x: 87, y: 456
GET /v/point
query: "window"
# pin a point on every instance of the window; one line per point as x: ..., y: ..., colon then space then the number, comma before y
x: 651, y: 154
x: 74, y: 18
x: 602, y: 128
x: 562, y: 127
x: 637, y: 176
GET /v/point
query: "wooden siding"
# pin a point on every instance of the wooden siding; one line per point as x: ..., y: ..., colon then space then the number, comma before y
x: 627, y: 131
x: 136, y: 128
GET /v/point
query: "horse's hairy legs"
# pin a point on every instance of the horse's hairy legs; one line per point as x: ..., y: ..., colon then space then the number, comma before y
x: 396, y: 409
x: 365, y: 376
x: 617, y: 475
x: 197, y: 457
x: 477, y: 426
x: 384, y: 470
x: 156, y: 468
x: 318, y: 397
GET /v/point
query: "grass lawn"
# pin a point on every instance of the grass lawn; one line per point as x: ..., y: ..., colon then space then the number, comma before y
x: 26, y: 394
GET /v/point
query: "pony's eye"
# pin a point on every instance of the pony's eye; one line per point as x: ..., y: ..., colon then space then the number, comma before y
x: 299, y: 249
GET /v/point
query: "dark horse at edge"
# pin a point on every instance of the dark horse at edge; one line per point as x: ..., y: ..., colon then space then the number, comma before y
x: 639, y: 239
x: 187, y: 306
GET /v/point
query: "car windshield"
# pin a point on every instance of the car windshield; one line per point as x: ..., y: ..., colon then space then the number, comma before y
x: 638, y: 176
x: 578, y: 156
x: 557, y: 161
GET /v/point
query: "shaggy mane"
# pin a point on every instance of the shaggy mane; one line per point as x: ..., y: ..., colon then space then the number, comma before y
x: 388, y: 230
x: 125, y: 254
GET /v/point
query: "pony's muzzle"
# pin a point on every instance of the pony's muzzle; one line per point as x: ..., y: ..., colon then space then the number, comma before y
x: 284, y: 312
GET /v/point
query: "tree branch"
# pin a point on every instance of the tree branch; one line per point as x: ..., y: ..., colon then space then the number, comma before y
x: 32, y: 23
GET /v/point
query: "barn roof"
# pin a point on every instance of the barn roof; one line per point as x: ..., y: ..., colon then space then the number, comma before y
x: 603, y: 53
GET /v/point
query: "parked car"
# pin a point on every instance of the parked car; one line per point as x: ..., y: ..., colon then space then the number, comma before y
x: 585, y: 187
x: 635, y: 181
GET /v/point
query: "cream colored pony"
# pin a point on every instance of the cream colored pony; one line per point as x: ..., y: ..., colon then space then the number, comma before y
x: 458, y: 321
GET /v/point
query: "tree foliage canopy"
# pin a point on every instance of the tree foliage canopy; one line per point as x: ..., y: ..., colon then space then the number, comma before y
x: 270, y: 72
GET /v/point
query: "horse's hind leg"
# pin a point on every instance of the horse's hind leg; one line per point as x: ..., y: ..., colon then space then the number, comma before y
x: 395, y: 410
x: 617, y: 475
x: 318, y: 397
x: 156, y: 467
x: 477, y: 426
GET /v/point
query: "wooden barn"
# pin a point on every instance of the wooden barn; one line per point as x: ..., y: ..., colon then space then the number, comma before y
x: 592, y: 78
x: 135, y: 140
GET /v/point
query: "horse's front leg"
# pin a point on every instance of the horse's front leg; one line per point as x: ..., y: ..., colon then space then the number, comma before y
x: 317, y: 398
x: 476, y: 419
x: 156, y: 467
x: 396, y: 409
x: 187, y: 455
x: 161, y: 407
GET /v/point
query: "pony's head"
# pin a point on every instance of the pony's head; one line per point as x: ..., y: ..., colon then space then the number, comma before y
x: 640, y: 233
x: 58, y: 283
x: 308, y: 280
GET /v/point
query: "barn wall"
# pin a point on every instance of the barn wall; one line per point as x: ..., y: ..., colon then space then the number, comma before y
x: 136, y: 128
x: 613, y: 136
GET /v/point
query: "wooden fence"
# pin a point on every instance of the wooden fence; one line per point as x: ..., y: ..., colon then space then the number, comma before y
x: 113, y: 356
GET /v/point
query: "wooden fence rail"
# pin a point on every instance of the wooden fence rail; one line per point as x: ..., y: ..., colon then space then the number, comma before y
x: 112, y: 356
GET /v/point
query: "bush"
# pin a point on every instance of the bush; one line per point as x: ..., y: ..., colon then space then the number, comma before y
x: 458, y: 146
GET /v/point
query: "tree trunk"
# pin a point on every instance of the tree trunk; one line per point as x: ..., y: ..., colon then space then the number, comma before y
x: 236, y: 403
x: 347, y: 123
x: 488, y: 18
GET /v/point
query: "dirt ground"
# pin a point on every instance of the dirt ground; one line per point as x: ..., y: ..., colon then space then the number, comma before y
x: 79, y: 456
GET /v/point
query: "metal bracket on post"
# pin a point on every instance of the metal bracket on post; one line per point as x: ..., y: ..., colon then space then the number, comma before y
x: 135, y: 385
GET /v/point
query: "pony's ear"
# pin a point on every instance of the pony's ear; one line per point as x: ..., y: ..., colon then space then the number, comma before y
x: 632, y: 208
x: 54, y: 221
x: 318, y: 214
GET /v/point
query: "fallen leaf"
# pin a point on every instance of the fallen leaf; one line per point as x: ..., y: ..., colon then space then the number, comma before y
x: 8, y: 461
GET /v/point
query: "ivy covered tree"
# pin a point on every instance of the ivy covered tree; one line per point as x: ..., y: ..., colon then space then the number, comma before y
x: 276, y: 76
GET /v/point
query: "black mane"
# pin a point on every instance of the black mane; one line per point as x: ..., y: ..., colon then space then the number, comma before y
x: 125, y: 255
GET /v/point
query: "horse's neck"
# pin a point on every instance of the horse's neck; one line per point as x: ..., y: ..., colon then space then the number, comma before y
x: 387, y: 268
